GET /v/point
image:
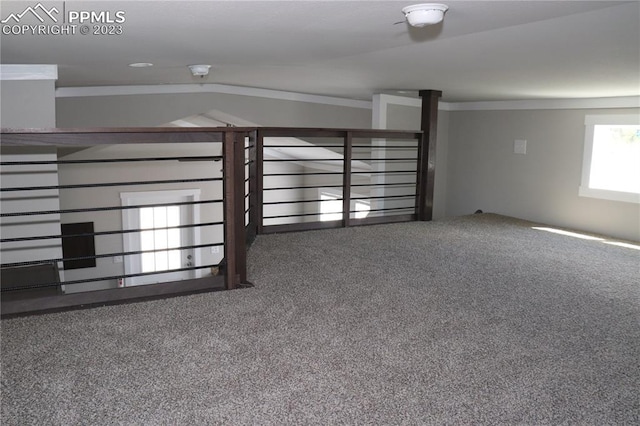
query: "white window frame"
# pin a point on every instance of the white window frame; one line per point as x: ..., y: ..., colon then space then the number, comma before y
x: 585, y: 190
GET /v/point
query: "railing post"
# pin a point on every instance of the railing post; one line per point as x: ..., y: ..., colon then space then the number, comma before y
x: 427, y: 153
x: 253, y: 192
x: 259, y: 181
x: 346, y: 180
x: 234, y: 195
x: 239, y: 197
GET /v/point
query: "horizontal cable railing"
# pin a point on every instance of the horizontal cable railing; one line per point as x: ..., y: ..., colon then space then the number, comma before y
x: 327, y: 178
x: 84, y: 223
x: 118, y: 232
x: 156, y: 192
x: 93, y: 216
x: 103, y: 209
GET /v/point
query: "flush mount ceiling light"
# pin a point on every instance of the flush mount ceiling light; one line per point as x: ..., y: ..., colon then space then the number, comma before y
x: 141, y: 65
x: 421, y: 15
x: 199, y: 70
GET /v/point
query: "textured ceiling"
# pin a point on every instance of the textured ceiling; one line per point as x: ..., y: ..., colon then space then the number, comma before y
x: 494, y: 50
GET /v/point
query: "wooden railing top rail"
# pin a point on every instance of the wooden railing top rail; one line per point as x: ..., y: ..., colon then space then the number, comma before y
x: 106, y: 135
x: 10, y: 130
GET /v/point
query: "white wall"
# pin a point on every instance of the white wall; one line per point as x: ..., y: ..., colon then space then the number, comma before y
x: 155, y: 109
x: 27, y: 103
x: 542, y: 186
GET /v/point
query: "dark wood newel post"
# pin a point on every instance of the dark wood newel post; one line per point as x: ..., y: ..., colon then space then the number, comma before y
x: 239, y: 188
x: 259, y: 181
x: 234, y: 238
x: 346, y: 181
x: 427, y: 153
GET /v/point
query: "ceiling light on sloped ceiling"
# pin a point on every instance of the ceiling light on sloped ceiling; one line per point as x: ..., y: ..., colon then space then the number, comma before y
x: 421, y: 15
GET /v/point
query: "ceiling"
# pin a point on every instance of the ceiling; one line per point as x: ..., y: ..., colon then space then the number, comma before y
x: 484, y: 50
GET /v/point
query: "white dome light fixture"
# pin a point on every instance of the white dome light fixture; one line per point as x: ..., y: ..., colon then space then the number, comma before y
x: 199, y: 70
x: 421, y: 15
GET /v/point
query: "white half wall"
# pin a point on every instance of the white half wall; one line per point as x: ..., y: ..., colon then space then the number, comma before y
x: 27, y: 95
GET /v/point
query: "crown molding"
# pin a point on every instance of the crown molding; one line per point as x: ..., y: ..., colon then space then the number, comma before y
x: 530, y: 104
x: 548, y: 104
x: 400, y: 100
x: 79, y: 92
x: 28, y: 72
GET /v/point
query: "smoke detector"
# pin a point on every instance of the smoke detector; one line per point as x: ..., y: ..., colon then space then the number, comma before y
x: 421, y: 15
x: 199, y: 70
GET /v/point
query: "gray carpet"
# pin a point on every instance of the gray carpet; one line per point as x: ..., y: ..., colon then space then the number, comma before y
x: 472, y: 320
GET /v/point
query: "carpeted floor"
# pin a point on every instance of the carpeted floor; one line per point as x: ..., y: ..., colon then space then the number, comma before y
x: 473, y: 320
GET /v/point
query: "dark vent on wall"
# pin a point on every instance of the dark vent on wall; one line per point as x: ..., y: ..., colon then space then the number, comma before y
x: 77, y: 242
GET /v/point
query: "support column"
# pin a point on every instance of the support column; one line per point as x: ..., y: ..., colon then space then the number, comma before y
x: 427, y: 152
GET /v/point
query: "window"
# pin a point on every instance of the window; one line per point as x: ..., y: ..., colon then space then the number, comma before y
x: 611, y: 164
x: 331, y: 206
x: 161, y: 232
x: 164, y: 243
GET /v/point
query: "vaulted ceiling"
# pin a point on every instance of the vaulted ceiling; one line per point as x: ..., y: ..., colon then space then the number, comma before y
x: 484, y: 50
